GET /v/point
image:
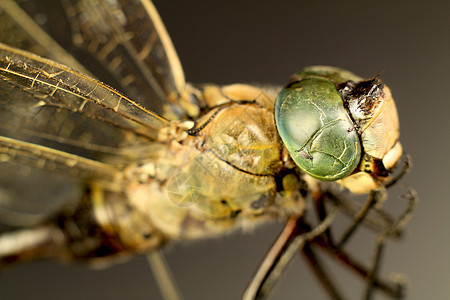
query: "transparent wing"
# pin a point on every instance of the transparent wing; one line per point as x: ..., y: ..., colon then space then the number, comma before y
x: 30, y: 189
x: 20, y: 30
x: 55, y: 119
x: 42, y: 97
x: 123, y: 43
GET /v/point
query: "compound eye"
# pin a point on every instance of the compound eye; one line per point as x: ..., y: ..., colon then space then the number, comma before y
x: 316, y: 128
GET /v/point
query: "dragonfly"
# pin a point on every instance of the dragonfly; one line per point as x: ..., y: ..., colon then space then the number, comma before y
x: 107, y: 152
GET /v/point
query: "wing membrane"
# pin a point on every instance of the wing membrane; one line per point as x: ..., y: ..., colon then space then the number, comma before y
x: 31, y: 189
x: 51, y: 159
x: 53, y: 118
x: 18, y: 29
x: 28, y: 195
x: 124, y: 43
x: 53, y: 95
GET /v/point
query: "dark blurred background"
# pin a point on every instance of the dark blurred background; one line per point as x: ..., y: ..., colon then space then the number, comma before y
x: 407, y: 42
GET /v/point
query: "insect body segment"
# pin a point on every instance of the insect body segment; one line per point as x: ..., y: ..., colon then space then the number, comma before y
x: 162, y: 160
x: 221, y: 175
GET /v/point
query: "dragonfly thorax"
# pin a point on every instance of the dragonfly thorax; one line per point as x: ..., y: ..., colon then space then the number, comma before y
x: 225, y: 172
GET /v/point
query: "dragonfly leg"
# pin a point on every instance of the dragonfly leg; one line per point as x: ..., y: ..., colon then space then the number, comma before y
x: 395, y: 289
x: 383, y: 219
x: 396, y: 227
x: 326, y: 241
x: 360, y: 215
x: 163, y: 276
x: 321, y: 212
x: 319, y: 270
x: 357, y: 267
x: 378, y: 219
x: 407, y: 164
x: 374, y: 198
x: 293, y: 237
x: 370, y: 215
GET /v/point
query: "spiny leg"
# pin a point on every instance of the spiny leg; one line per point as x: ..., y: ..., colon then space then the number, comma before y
x: 321, y: 211
x: 275, y: 261
x: 377, y: 219
x: 394, y: 289
x: 326, y: 241
x: 407, y: 165
x: 374, y: 198
x: 292, y: 238
x: 396, y: 227
x: 362, y: 215
x: 163, y: 276
x: 375, y: 268
x: 355, y: 266
x: 321, y: 274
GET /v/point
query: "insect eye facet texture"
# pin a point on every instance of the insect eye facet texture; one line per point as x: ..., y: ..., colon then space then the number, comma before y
x: 316, y: 128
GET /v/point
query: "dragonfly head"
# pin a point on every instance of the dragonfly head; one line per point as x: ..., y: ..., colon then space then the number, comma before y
x: 337, y: 126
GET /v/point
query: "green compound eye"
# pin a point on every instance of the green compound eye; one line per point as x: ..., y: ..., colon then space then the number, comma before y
x: 314, y: 125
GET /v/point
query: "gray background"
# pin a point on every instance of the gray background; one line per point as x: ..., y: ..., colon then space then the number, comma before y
x: 265, y: 42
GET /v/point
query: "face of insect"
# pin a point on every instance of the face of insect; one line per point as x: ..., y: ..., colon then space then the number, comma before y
x: 337, y: 126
